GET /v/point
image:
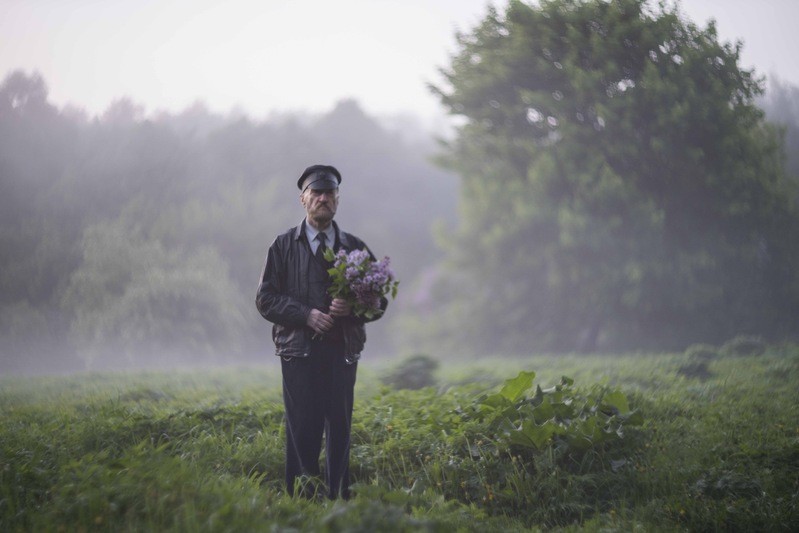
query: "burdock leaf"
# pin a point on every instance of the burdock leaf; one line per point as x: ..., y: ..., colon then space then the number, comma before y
x: 618, y: 400
x: 514, y: 388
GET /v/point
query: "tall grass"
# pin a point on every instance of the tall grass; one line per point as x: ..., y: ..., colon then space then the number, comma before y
x: 203, y: 451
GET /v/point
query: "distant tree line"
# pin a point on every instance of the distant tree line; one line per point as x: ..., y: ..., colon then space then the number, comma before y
x: 624, y: 184
x: 135, y: 240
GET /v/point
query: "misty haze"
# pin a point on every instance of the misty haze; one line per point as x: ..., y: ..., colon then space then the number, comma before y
x: 597, y: 319
x: 133, y: 241
x: 152, y: 238
x: 553, y: 213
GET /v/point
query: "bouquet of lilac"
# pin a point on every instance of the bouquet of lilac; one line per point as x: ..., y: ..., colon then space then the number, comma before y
x: 361, y: 281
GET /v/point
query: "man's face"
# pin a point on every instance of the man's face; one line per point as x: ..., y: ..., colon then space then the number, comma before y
x: 320, y: 206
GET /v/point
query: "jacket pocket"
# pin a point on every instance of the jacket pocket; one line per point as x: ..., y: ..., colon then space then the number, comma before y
x: 355, y: 336
x: 289, y: 342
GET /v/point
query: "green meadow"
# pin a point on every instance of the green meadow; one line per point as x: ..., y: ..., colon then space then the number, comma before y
x: 707, y: 440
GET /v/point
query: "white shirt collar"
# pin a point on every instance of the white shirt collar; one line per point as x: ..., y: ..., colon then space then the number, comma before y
x: 311, y: 232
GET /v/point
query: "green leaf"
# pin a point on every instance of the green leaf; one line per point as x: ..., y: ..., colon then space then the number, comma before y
x: 634, y: 418
x: 514, y: 388
x: 496, y: 401
x: 544, y: 412
x: 540, y: 435
x: 531, y: 435
x: 519, y: 438
x: 618, y: 400
x: 564, y: 411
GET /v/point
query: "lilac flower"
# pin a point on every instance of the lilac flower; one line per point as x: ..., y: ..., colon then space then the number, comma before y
x: 361, y: 281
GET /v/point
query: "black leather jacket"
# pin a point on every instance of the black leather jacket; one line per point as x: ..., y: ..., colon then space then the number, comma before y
x: 283, y: 295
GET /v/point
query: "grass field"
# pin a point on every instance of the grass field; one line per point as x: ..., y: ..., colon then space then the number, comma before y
x: 668, y: 442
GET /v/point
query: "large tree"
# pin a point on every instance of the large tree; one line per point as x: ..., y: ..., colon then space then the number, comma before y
x: 781, y: 104
x: 620, y: 187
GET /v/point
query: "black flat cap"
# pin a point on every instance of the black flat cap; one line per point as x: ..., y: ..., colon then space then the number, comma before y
x: 319, y: 177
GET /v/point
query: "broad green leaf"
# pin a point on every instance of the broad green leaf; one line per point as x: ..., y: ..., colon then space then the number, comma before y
x: 564, y: 410
x: 618, y: 400
x: 634, y: 418
x: 496, y: 401
x: 531, y: 435
x: 544, y: 412
x: 539, y: 435
x: 514, y: 388
x: 519, y: 438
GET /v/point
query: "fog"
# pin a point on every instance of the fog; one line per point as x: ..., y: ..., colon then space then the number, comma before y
x: 127, y: 239
x: 133, y: 237
x: 262, y: 57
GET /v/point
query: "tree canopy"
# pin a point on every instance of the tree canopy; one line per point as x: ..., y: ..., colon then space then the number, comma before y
x: 620, y: 188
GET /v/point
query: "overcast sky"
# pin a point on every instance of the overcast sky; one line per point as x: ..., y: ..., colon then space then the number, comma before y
x: 263, y: 56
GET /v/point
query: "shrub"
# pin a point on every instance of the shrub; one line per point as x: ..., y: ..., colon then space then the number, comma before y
x: 701, y: 352
x: 695, y: 369
x: 415, y: 372
x: 744, y: 345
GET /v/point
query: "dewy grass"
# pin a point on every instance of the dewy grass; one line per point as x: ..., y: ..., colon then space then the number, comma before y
x: 203, y: 451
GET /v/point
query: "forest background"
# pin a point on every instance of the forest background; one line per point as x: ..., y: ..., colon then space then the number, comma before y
x: 538, y: 223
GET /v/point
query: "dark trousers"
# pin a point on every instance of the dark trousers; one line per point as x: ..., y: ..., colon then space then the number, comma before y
x: 318, y: 397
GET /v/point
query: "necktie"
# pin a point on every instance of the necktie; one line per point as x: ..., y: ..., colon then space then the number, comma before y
x: 320, y: 250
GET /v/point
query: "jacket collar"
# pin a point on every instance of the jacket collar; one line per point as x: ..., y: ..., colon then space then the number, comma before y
x: 341, y: 236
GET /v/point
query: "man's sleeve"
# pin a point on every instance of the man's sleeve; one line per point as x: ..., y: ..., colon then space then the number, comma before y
x: 272, y: 299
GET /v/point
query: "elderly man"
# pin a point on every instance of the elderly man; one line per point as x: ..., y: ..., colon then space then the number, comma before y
x: 319, y: 340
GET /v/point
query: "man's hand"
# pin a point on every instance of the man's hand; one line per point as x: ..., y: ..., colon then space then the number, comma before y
x: 319, y: 321
x: 340, y: 307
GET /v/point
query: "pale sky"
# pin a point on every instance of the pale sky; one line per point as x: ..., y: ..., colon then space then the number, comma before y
x: 264, y: 56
